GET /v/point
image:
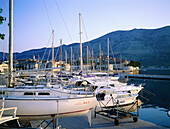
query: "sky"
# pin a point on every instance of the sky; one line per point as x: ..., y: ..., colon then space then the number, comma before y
x: 34, y: 20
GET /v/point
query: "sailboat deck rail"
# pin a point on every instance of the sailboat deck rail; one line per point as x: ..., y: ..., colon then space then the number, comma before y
x: 8, y: 114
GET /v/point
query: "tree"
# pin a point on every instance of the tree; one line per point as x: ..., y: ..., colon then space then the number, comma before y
x: 134, y: 64
x: 2, y: 36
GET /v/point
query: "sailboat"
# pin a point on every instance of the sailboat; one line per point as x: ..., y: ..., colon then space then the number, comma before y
x: 107, y: 90
x: 42, y: 102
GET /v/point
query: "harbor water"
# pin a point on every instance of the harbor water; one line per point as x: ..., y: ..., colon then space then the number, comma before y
x: 155, y: 109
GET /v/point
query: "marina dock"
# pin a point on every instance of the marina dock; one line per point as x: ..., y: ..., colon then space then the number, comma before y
x: 144, y: 76
x: 101, y: 122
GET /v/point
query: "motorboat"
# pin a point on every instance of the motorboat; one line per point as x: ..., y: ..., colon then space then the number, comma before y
x: 97, y: 83
x: 110, y: 99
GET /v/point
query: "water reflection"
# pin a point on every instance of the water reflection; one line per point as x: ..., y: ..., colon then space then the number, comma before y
x: 155, y: 110
x: 161, y: 90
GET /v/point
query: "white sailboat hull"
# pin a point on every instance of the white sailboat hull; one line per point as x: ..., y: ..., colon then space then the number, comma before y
x: 41, y: 109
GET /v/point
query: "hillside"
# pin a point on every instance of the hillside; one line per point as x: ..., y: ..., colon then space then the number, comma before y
x: 149, y: 46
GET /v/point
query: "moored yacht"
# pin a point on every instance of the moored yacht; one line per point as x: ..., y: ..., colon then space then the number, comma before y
x: 41, y: 102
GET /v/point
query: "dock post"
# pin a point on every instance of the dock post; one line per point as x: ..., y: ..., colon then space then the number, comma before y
x: 57, y: 111
x: 89, y: 117
x: 95, y: 111
x: 53, y: 116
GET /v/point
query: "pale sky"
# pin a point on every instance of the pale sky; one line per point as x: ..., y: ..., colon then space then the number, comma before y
x: 35, y: 19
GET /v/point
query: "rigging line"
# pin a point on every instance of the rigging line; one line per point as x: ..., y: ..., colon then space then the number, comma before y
x: 49, y: 54
x: 46, y: 48
x: 64, y: 21
x: 114, y: 58
x: 56, y: 54
x: 64, y: 51
x: 4, y: 31
x: 47, y: 14
x: 47, y: 58
x: 86, y: 34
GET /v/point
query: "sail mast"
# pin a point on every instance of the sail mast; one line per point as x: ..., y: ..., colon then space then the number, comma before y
x: 52, y: 61
x: 81, y: 58
x: 108, y: 55
x: 71, y: 59
x: 60, y: 50
x: 100, y: 56
x: 87, y: 58
x: 10, y: 69
x: 66, y: 59
x: 53, y: 49
x: 92, y: 60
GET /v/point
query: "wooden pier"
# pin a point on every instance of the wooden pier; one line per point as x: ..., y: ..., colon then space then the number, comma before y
x: 145, y: 76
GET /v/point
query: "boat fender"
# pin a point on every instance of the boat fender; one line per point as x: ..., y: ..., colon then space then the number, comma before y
x: 168, y: 113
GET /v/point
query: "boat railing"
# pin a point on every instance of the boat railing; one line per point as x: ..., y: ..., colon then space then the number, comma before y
x: 8, y: 112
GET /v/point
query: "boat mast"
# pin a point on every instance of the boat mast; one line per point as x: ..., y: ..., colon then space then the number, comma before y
x: 53, y: 48
x: 66, y: 59
x: 71, y: 59
x: 52, y: 62
x: 108, y: 55
x: 60, y: 54
x: 100, y: 56
x: 10, y: 69
x: 60, y: 50
x: 81, y: 58
x: 92, y: 60
x: 87, y: 58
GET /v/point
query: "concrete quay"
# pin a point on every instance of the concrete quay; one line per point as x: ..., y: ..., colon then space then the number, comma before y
x: 100, y: 122
x: 144, y: 76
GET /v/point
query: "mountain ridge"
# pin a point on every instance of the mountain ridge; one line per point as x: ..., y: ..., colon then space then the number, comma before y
x: 151, y: 47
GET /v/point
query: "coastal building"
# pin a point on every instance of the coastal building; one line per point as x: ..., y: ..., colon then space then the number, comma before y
x: 3, y: 67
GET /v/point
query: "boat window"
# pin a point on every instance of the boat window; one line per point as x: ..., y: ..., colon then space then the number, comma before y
x: 32, y: 77
x: 123, y: 96
x: 100, y: 96
x: 43, y: 93
x: 101, y: 87
x: 29, y: 93
x: 112, y: 85
x: 78, y: 83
